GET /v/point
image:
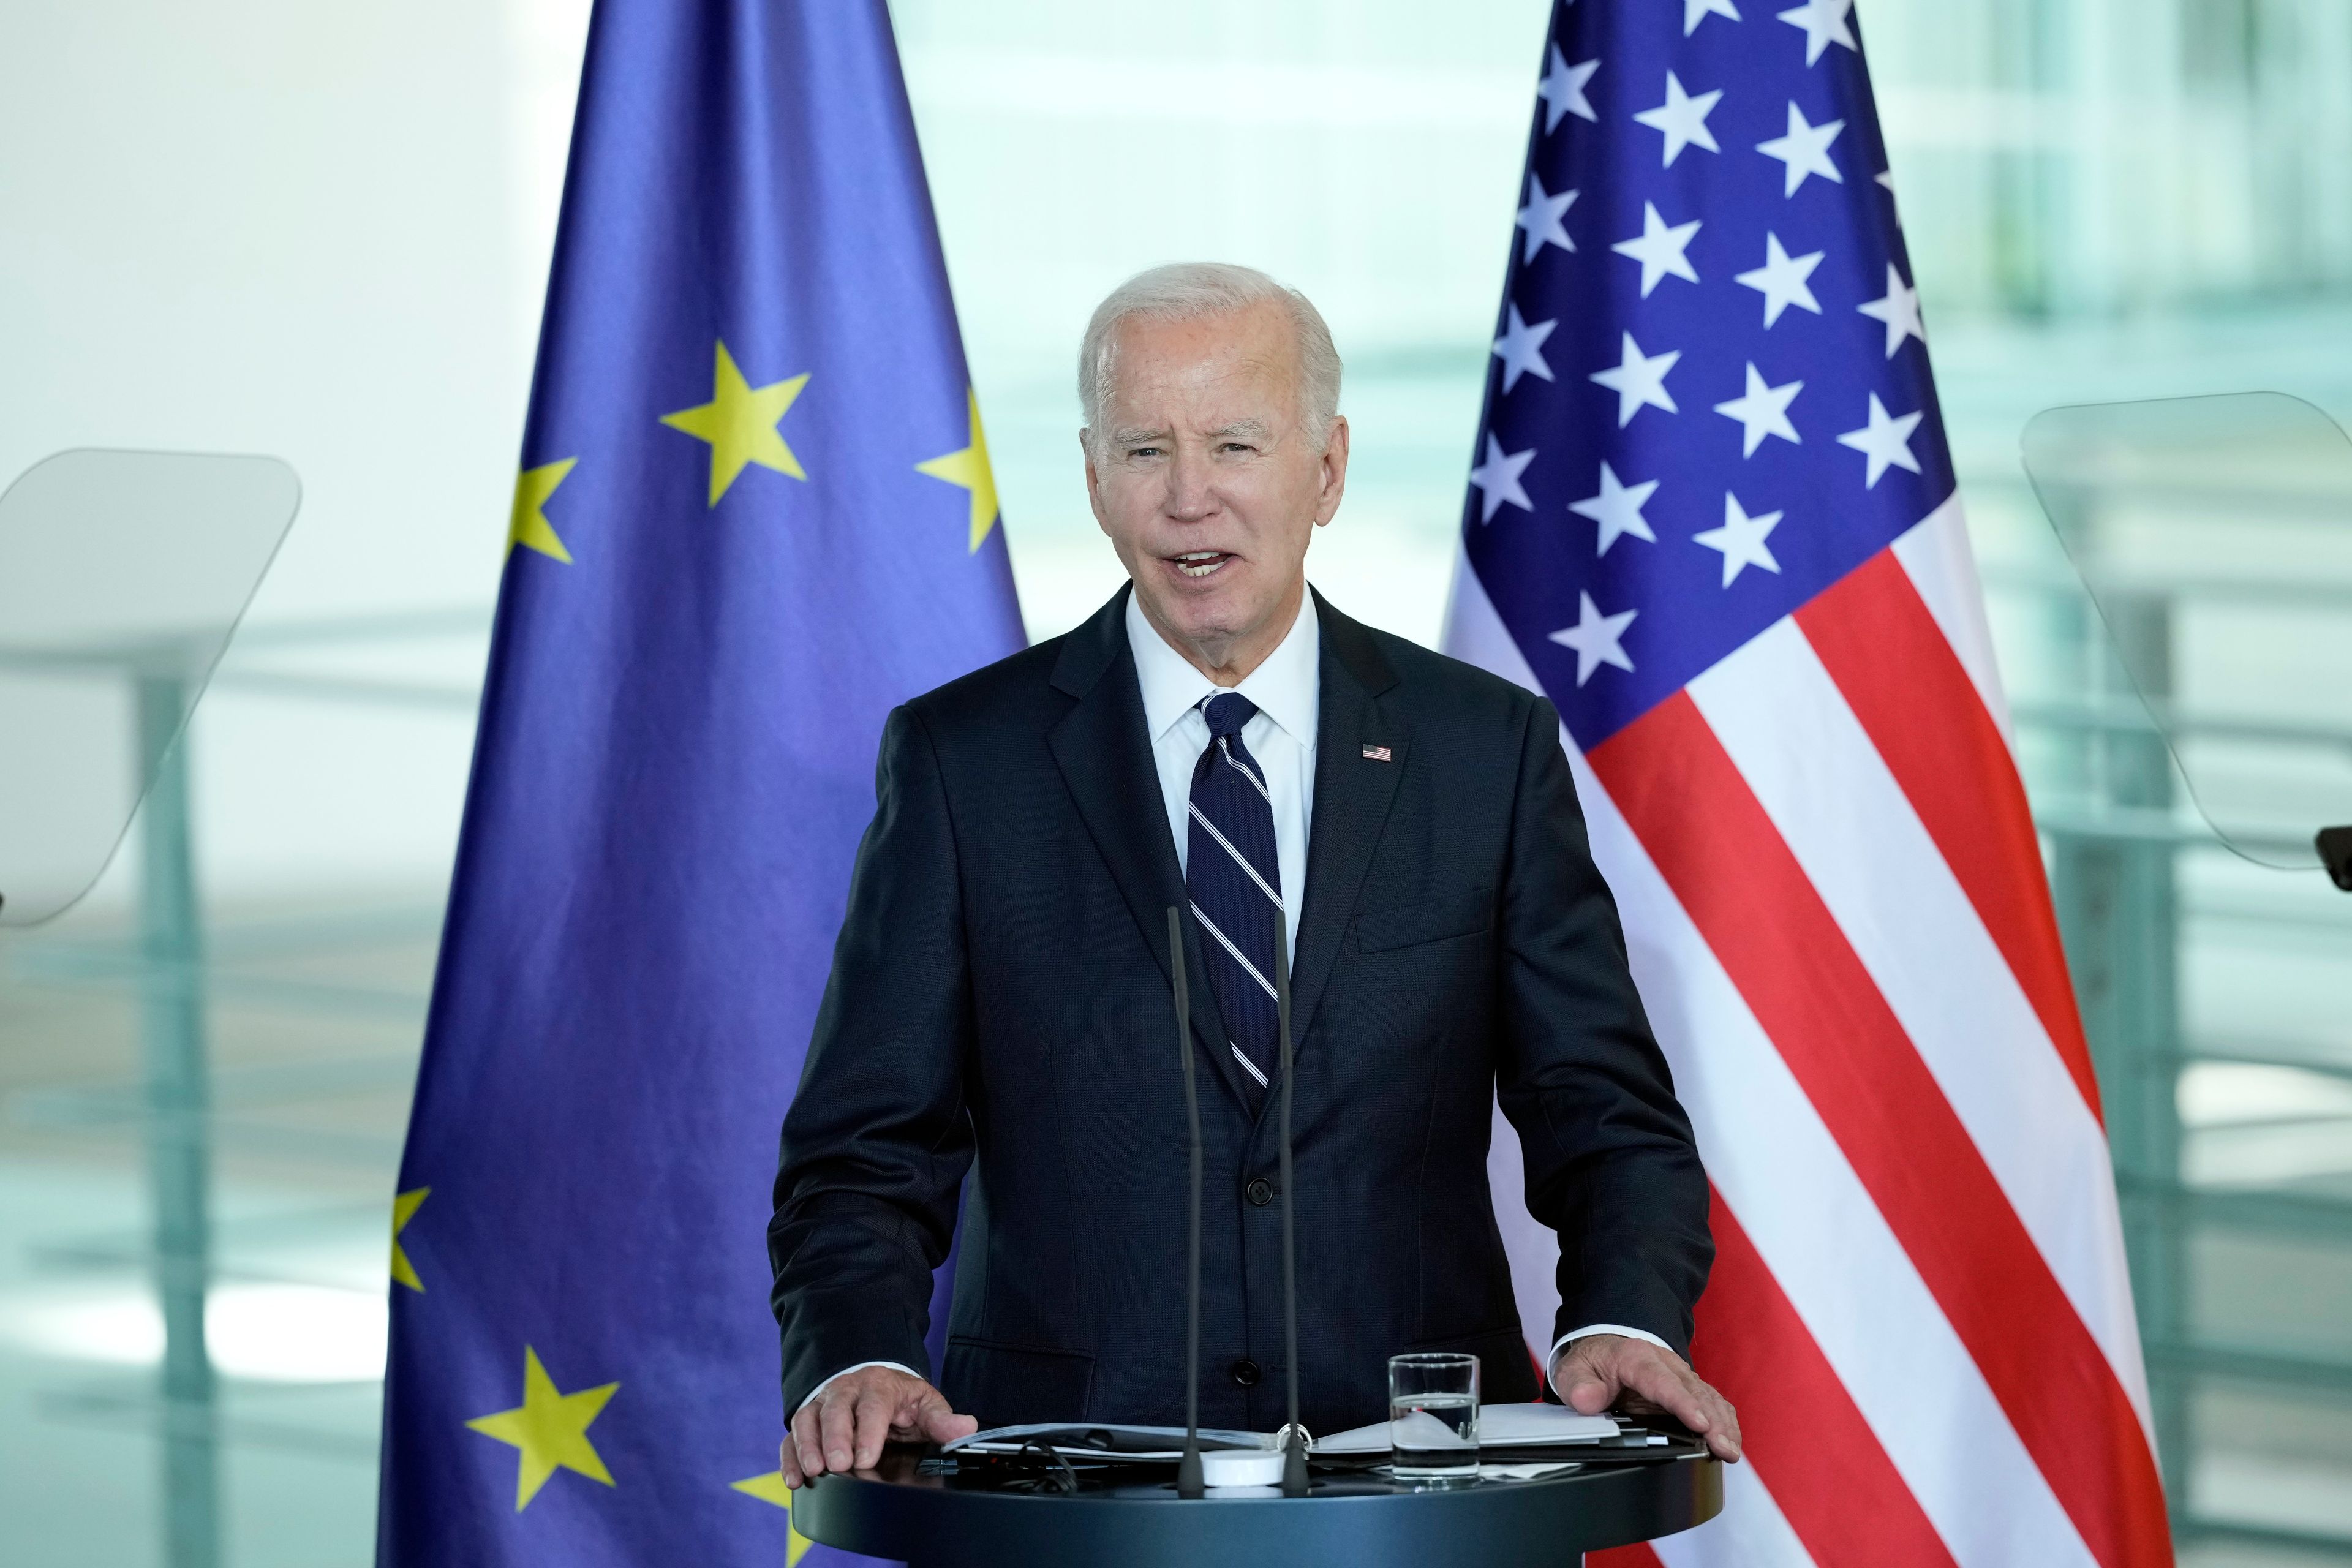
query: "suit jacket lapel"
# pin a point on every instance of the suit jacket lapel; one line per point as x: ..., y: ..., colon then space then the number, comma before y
x: 1352, y: 794
x: 1105, y: 756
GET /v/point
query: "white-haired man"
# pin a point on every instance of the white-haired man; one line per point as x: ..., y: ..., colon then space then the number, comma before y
x: 1218, y: 738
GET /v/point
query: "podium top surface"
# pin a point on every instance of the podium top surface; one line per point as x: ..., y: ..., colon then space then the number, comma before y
x: 933, y: 1515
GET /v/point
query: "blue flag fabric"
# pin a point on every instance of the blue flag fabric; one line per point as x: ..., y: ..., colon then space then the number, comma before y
x: 1708, y: 395
x: 755, y: 512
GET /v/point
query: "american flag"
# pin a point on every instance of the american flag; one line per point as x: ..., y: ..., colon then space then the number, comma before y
x: 1713, y: 518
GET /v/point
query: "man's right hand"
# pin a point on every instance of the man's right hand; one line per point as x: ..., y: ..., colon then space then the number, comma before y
x: 846, y: 1425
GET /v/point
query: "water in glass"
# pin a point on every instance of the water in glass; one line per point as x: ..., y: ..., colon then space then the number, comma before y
x: 1433, y: 1417
x: 1435, y: 1436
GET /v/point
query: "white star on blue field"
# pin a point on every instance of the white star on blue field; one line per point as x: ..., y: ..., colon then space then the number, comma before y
x: 1708, y: 394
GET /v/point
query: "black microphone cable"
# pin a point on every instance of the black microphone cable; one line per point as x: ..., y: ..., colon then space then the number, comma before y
x: 1189, y: 1479
x: 1293, y: 1445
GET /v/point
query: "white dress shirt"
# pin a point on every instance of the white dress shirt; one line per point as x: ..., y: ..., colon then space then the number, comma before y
x: 1287, y: 688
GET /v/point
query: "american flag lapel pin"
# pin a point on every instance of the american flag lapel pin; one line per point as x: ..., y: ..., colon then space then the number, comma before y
x: 1378, y: 755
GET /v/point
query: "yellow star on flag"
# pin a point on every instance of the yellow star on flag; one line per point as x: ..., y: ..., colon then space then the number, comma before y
x: 551, y: 1428
x: 771, y: 1488
x: 739, y: 422
x: 404, y: 1209
x: 968, y: 467
x: 528, y: 525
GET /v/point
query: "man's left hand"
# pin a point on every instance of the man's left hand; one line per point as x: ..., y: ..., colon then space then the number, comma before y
x: 1603, y: 1371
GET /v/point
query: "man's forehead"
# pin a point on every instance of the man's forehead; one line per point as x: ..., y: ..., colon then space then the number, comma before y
x: 1214, y: 371
x: 1206, y: 403
x: 1256, y: 342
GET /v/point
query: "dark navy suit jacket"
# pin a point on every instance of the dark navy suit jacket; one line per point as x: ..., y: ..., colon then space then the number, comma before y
x: 999, y: 1020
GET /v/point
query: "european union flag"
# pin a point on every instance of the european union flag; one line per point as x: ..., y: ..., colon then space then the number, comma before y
x: 755, y: 512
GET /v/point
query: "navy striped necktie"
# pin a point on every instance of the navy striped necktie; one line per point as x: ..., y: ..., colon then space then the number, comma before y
x: 1234, y: 878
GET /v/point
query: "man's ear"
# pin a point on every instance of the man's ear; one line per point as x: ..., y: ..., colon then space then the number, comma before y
x: 1334, y: 472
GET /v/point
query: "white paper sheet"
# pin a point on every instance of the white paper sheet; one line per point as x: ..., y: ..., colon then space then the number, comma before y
x: 1499, y: 1426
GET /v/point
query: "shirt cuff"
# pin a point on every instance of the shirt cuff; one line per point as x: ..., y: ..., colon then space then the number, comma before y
x: 911, y: 1372
x: 1551, y: 1361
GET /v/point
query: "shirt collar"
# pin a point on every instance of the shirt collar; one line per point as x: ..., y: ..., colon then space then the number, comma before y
x: 1284, y: 688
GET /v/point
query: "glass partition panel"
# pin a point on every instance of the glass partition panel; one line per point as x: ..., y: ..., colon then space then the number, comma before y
x: 2215, y: 537
x: 121, y: 576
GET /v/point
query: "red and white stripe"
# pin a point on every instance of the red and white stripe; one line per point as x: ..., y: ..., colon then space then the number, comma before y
x: 1835, y: 908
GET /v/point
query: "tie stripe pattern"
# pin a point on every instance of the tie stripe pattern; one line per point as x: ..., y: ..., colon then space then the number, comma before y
x: 1234, y: 881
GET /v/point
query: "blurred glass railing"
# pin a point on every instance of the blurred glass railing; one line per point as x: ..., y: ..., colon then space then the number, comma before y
x: 2187, y: 733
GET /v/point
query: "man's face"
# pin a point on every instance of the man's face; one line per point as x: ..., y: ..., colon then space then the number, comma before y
x: 1206, y: 482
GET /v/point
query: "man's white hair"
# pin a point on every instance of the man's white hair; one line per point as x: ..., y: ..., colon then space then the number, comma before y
x: 1187, y: 290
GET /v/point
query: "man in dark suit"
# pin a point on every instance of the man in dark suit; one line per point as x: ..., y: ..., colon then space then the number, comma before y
x: 1220, y: 739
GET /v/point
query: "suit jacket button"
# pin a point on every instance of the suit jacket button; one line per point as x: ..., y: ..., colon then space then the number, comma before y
x: 1245, y: 1372
x: 1261, y: 1192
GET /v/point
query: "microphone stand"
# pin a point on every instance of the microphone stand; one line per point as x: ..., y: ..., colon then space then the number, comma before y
x: 1294, y: 1444
x: 1189, y: 1481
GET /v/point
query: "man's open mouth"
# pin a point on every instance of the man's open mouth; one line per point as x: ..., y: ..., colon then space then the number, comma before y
x: 1200, y: 562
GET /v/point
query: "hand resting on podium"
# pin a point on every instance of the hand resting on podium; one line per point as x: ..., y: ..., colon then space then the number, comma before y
x: 1611, y: 1372
x: 845, y: 1422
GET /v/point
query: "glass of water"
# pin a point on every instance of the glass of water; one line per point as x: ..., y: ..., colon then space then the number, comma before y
x: 1433, y: 1417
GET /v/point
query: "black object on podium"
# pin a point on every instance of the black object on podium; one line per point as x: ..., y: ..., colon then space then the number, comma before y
x: 1038, y: 1512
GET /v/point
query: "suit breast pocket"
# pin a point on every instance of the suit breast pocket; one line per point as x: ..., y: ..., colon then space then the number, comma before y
x: 1432, y: 919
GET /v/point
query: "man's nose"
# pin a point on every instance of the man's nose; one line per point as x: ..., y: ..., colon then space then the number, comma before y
x: 1190, y: 497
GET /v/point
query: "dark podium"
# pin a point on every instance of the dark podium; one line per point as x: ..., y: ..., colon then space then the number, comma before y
x: 947, y: 1514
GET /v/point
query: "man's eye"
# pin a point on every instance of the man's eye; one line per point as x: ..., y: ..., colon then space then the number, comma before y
x: 1143, y: 451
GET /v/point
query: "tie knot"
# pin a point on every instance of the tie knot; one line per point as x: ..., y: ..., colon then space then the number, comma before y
x: 1226, y: 712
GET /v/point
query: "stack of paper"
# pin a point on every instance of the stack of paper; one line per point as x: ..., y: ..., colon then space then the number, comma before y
x: 1499, y: 1426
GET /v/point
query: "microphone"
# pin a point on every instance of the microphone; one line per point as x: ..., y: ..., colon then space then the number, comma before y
x: 1293, y: 1445
x: 1189, y: 1479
